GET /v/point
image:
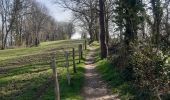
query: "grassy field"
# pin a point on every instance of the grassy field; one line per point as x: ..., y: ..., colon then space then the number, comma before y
x: 25, y: 73
x: 43, y: 48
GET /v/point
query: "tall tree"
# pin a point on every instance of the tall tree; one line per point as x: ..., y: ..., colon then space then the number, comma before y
x: 157, y: 17
x: 7, y: 20
x: 129, y: 17
x: 103, y: 45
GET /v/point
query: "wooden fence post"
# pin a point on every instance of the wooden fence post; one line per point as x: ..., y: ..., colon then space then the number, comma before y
x: 57, y: 90
x: 67, y: 66
x: 80, y: 53
x: 74, y: 65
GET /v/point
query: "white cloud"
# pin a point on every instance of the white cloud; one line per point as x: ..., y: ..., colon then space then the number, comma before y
x: 55, y: 11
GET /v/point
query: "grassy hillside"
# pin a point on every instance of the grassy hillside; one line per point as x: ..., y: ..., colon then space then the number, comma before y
x: 43, y: 48
x: 25, y: 73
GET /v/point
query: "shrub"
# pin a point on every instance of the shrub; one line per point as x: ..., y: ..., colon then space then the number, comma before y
x: 146, y: 68
x: 151, y: 73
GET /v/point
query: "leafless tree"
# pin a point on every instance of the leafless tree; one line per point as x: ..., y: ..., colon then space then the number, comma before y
x: 86, y: 12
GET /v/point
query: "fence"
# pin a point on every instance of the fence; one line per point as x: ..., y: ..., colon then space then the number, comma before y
x: 68, y: 54
x: 36, y: 63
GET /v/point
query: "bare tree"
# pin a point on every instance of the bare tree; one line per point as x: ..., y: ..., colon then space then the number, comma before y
x: 35, y: 21
x: 86, y: 12
x: 8, y: 18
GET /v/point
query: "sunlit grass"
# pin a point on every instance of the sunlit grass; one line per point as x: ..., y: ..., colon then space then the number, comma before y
x: 67, y: 92
x: 24, y: 83
x: 31, y: 77
x: 43, y: 48
x: 114, y: 78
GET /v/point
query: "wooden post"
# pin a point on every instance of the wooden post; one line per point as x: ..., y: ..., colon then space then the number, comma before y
x: 74, y: 65
x: 67, y: 66
x: 57, y: 90
x: 80, y: 53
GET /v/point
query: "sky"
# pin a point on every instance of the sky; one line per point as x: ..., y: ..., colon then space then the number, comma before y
x: 59, y: 13
x: 56, y: 11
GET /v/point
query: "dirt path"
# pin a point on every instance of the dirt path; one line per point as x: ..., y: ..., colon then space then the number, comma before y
x: 95, y: 88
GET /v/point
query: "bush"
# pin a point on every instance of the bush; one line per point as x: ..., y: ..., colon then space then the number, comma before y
x: 146, y: 68
x: 151, y: 73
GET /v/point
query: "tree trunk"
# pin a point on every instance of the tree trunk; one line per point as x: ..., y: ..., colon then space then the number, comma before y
x: 102, y: 30
x: 157, y: 14
x: 11, y: 39
x: 2, y: 29
x: 121, y: 33
x: 106, y: 20
x: 107, y: 32
x: 91, y: 35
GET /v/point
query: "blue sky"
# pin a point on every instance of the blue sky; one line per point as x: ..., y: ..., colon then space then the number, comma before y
x: 56, y: 11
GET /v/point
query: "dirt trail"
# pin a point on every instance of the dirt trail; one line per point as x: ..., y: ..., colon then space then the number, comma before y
x: 95, y: 88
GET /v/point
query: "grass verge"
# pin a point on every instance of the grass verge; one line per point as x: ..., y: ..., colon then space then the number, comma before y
x: 115, y: 80
x: 113, y: 77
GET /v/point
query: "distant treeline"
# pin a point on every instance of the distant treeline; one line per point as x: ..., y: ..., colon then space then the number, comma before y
x: 26, y: 22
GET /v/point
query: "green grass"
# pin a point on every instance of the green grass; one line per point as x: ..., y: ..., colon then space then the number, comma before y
x: 36, y: 54
x: 71, y: 92
x: 95, y: 44
x: 24, y: 83
x: 43, y: 48
x: 25, y: 73
x: 114, y: 78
